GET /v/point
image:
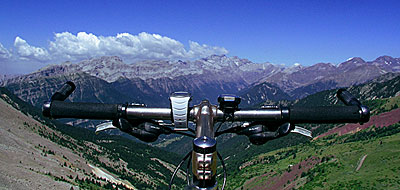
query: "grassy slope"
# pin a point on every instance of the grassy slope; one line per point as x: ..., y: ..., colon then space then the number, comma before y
x: 383, y: 105
x: 380, y: 170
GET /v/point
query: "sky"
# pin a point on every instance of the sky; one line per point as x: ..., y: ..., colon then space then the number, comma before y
x: 34, y: 34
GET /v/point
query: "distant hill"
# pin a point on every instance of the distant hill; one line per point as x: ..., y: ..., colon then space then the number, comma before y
x: 385, y: 86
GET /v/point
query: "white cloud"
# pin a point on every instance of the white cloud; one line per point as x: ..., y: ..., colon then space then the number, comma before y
x: 4, y: 53
x: 197, y: 50
x: 27, y: 52
x: 66, y: 46
x: 69, y: 46
x: 128, y: 46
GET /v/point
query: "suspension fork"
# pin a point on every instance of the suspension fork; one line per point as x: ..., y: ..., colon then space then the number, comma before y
x: 204, y: 154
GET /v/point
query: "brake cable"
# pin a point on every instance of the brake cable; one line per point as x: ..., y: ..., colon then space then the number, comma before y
x: 219, y: 126
x: 224, y: 169
x: 187, y: 171
x: 177, y: 168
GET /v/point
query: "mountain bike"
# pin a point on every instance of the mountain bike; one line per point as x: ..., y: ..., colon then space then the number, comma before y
x: 259, y: 125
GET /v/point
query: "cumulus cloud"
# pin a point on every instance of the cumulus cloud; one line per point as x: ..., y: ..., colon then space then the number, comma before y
x: 4, y: 53
x: 27, y: 52
x: 66, y: 46
x: 128, y: 46
x: 82, y: 45
x: 197, y: 50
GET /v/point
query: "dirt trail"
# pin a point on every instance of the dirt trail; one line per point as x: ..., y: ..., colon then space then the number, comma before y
x: 361, y: 162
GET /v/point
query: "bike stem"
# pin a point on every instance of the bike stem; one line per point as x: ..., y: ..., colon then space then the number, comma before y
x: 204, y: 154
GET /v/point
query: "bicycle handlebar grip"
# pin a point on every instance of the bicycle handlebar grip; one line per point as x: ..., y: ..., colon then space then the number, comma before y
x: 60, y: 109
x: 63, y: 92
x: 347, y: 98
x: 325, y: 114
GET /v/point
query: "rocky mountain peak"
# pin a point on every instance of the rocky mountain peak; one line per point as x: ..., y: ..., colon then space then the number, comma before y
x: 387, y: 63
x: 355, y: 59
x: 322, y: 66
x: 351, y: 63
x: 386, y: 60
x: 294, y: 68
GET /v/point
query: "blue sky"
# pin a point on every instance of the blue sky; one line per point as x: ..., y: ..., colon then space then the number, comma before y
x: 35, y: 33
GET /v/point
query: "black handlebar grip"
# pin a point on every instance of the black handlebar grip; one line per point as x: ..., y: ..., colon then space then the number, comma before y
x: 63, y: 92
x: 325, y: 114
x: 60, y: 109
x: 347, y: 98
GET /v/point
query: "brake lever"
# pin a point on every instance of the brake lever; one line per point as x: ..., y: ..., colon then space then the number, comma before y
x: 349, y: 100
x: 104, y: 126
x: 302, y: 131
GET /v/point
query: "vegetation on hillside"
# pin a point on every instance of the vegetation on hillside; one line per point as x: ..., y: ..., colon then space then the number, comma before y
x: 335, y: 163
x: 131, y: 161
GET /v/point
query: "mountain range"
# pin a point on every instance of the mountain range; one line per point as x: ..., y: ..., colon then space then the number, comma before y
x: 151, y: 82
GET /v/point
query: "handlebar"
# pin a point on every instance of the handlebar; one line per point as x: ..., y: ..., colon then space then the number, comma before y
x: 353, y: 112
x: 81, y: 110
x: 321, y: 114
x: 347, y: 98
x: 64, y: 91
x: 326, y: 114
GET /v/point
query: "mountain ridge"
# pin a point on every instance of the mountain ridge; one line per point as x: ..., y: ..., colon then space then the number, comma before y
x: 151, y: 82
